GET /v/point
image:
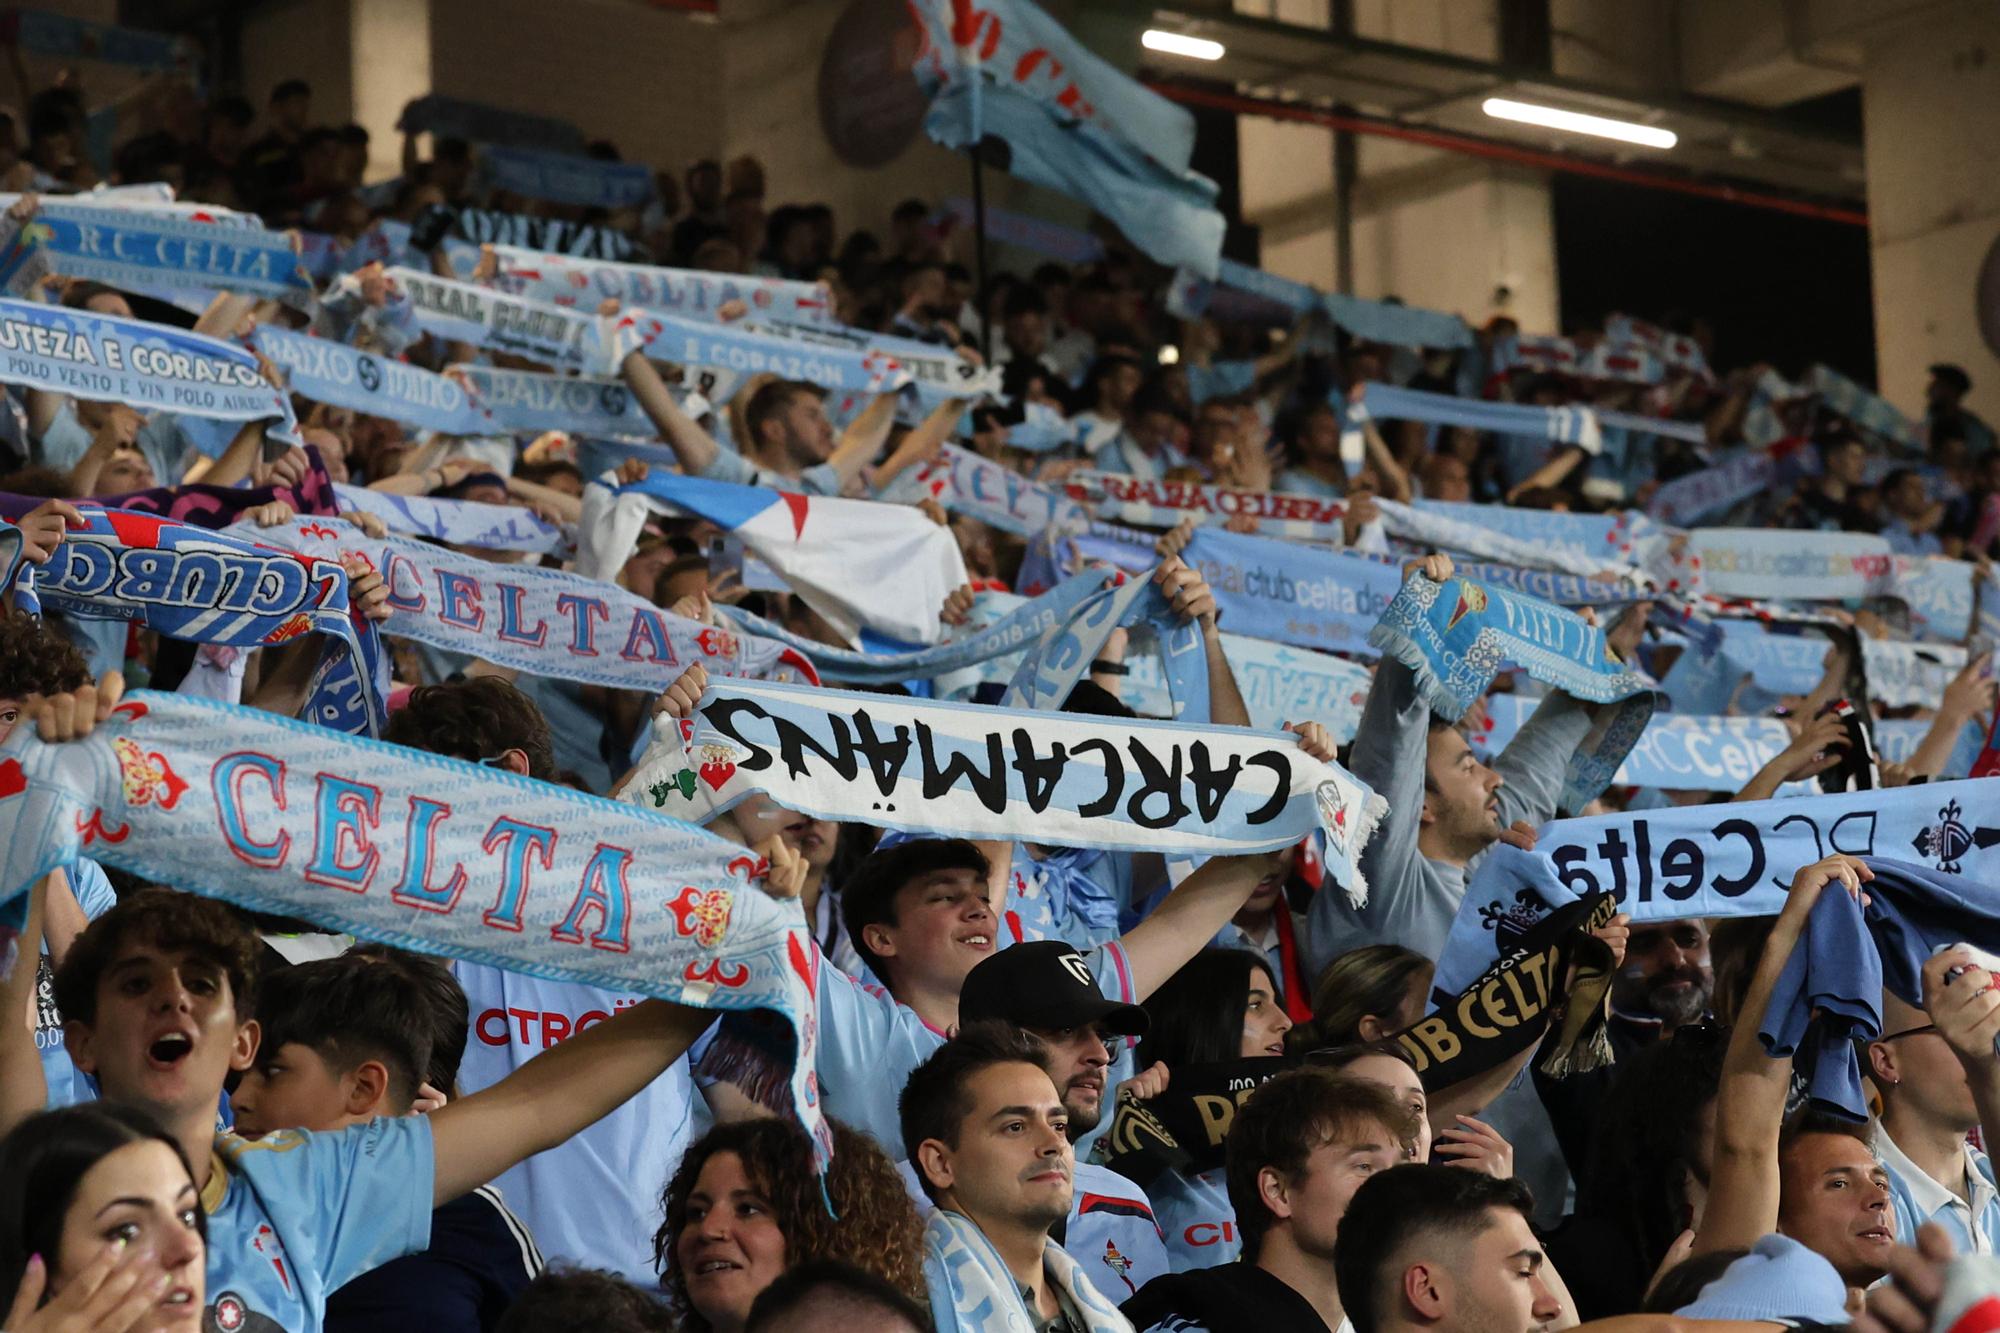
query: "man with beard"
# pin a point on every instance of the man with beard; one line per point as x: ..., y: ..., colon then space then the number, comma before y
x: 989, y: 1138
x: 1046, y: 987
x: 1665, y: 983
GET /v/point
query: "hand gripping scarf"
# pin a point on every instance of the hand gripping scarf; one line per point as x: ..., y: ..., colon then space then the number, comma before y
x: 1454, y: 636
x: 415, y: 850
x: 216, y: 588
x: 330, y: 372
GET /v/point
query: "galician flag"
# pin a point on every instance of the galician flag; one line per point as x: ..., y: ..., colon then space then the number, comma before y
x: 862, y: 565
x: 1003, y: 69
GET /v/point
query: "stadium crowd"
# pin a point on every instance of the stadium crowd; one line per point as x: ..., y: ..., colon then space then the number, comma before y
x: 1064, y: 1088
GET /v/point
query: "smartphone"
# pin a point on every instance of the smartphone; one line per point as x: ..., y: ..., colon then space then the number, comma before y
x: 725, y: 556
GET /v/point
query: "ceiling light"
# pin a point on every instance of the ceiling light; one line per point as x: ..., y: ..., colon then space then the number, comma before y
x: 1177, y: 44
x: 1625, y: 131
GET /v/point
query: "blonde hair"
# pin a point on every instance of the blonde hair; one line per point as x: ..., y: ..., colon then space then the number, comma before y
x: 1373, y: 980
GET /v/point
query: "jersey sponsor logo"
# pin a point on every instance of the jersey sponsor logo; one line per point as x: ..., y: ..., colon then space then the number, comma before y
x: 536, y: 1027
x: 1210, y: 1233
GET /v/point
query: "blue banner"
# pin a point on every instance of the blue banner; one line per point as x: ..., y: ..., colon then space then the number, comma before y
x: 128, y: 247
x: 1713, y: 861
x: 1453, y: 636
x: 484, y: 527
x: 334, y: 373
x: 564, y: 178
x: 1301, y: 595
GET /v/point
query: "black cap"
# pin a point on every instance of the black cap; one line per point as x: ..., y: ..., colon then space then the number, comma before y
x: 1955, y: 376
x: 1043, y: 984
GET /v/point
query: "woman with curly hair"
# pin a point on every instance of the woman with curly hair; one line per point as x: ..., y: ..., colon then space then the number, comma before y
x: 745, y: 1206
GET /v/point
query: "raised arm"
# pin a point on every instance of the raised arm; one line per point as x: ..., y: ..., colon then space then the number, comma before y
x: 1815, y: 749
x: 1188, y: 593
x: 1750, y: 1105
x: 1552, y: 472
x: 1970, y: 694
x: 921, y: 444
x: 1967, y: 1015
x: 695, y: 447
x: 1188, y: 918
x: 862, y: 440
x: 23, y: 1090
x: 558, y: 1094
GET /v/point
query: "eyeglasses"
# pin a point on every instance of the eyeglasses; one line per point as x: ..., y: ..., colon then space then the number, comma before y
x: 1909, y: 1032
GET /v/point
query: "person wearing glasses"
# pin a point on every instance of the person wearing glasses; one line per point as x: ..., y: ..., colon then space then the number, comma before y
x: 1930, y: 1066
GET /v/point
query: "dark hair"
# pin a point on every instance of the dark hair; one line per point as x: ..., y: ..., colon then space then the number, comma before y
x: 862, y: 1294
x: 347, y: 1010
x: 541, y: 473
x: 80, y: 292
x: 291, y: 88
x: 1281, y: 1125
x: 865, y: 1216
x: 1196, y: 1017
x: 36, y: 659
x: 1102, y: 369
x: 1647, y: 1123
x: 560, y: 1300
x: 443, y: 998
x: 868, y: 895
x: 43, y: 1160
x: 233, y: 108
x: 934, y: 1102
x: 1810, y: 1121
x: 474, y: 719
x: 910, y: 209
x: 176, y: 922
x: 353, y: 135
x: 1682, y: 1284
x: 1338, y: 1058
x: 1025, y: 300
x: 44, y: 483
x: 773, y: 399
x: 1373, y: 979
x: 1400, y: 1207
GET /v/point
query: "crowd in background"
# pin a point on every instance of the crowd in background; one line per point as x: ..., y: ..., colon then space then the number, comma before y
x: 984, y: 1007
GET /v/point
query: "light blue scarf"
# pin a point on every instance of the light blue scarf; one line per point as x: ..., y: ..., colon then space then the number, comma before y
x: 526, y: 402
x: 973, y: 1291
x: 1301, y: 595
x: 966, y: 483
x: 1714, y: 860
x: 415, y: 850
x: 148, y: 366
x: 683, y: 292
x: 125, y: 246
x: 543, y: 621
x: 486, y: 527
x: 1456, y: 635
x: 1728, y: 481
x: 330, y: 372
x: 1558, y: 425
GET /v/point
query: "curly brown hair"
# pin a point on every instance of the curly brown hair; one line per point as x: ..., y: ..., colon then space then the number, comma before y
x: 36, y: 659
x: 877, y: 1229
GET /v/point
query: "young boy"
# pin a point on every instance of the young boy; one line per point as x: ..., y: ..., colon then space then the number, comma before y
x: 342, y: 1045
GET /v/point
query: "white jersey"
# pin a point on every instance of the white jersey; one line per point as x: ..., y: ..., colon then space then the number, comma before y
x: 594, y: 1201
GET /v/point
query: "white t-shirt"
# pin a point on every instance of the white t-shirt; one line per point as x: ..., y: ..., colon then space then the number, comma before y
x: 595, y: 1200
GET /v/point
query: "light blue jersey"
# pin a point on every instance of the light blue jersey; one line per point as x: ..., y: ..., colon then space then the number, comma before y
x: 869, y: 1044
x: 295, y: 1216
x: 1918, y: 1199
x: 1195, y: 1219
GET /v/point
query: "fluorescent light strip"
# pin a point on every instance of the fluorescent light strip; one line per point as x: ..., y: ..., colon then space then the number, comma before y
x: 1178, y: 44
x: 1554, y: 118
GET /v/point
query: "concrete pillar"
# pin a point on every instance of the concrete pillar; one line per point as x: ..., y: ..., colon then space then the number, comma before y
x: 1931, y: 93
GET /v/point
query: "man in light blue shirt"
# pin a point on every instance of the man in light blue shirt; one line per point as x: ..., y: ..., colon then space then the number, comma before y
x: 1931, y: 1101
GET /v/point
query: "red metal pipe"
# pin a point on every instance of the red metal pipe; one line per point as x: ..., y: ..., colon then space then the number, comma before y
x: 1476, y: 147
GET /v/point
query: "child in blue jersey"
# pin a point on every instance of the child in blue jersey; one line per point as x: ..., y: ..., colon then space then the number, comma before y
x: 342, y: 1044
